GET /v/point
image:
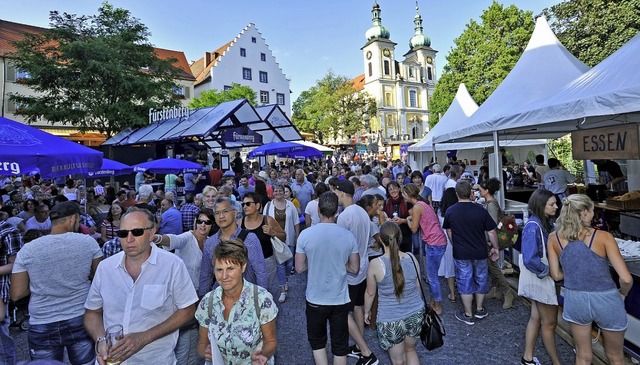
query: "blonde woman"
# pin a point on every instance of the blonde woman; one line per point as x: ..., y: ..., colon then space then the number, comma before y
x: 590, y: 294
x: 209, y: 195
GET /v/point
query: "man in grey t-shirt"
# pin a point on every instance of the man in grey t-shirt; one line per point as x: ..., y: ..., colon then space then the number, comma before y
x: 328, y: 261
x: 56, y: 270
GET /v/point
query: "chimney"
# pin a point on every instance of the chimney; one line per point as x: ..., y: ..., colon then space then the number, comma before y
x: 207, y: 59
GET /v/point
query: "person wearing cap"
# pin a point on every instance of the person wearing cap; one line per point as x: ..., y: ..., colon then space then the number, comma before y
x: 56, y: 270
x: 355, y: 219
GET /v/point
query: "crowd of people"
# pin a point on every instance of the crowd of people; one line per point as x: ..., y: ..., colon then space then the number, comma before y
x: 191, y: 275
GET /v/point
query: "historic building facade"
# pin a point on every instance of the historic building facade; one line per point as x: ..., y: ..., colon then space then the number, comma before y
x: 402, y: 86
x: 248, y: 61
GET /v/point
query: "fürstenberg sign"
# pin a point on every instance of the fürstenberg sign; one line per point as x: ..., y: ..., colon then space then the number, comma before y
x: 168, y: 113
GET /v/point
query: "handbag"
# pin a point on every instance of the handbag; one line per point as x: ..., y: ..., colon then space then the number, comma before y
x: 432, y: 332
x: 531, y: 286
x: 281, y: 250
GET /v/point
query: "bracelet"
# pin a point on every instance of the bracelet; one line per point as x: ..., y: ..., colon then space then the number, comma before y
x: 100, y: 339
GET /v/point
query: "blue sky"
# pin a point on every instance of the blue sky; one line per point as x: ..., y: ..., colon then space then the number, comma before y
x: 307, y: 37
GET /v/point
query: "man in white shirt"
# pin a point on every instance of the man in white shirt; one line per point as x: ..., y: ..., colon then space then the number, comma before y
x: 143, y: 288
x: 436, y: 182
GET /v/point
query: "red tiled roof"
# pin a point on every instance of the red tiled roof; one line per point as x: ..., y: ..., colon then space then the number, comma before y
x: 201, y: 71
x: 181, y: 61
x: 11, y: 32
x: 358, y: 82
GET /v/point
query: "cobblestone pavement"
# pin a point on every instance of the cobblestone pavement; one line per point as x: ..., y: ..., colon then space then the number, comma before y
x: 496, y: 339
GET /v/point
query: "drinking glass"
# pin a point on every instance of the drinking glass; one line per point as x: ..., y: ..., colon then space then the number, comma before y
x: 113, y: 335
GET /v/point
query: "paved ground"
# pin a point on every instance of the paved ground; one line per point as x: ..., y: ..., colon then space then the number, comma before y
x: 497, y: 339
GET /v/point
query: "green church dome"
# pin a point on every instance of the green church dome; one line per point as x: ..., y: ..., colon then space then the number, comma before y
x: 377, y: 31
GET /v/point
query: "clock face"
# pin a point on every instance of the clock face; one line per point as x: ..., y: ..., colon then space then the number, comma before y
x: 386, y: 52
x: 368, y: 55
x: 429, y: 60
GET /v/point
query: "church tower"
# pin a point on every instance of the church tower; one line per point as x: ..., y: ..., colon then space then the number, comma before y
x: 379, y: 50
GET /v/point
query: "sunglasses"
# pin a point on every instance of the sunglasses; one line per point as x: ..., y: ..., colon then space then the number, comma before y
x: 207, y: 222
x: 246, y: 204
x: 136, y: 232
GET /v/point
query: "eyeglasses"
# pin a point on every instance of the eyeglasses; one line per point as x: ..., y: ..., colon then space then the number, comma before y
x: 246, y: 204
x: 207, y: 222
x: 222, y: 212
x: 136, y: 232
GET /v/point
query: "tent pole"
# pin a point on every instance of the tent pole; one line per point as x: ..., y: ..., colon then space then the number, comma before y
x: 498, y: 162
x: 433, y: 148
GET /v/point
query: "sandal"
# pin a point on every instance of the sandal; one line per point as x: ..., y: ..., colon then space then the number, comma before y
x: 452, y: 298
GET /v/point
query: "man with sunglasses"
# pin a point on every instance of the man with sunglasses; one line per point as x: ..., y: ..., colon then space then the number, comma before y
x: 55, y: 270
x: 143, y: 288
x: 225, y: 212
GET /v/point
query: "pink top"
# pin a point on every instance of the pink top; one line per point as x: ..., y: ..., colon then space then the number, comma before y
x: 432, y: 232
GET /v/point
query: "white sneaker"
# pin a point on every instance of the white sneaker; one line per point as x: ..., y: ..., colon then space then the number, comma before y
x: 283, y: 297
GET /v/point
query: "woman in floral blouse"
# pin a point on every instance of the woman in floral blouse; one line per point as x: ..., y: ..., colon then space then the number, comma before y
x: 240, y: 317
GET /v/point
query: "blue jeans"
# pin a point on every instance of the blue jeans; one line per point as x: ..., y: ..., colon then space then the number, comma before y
x: 285, y: 268
x: 7, y: 346
x: 186, y: 348
x: 434, y: 256
x: 48, y: 341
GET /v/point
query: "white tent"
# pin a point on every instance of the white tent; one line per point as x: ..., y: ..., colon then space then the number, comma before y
x: 606, y: 95
x: 319, y: 147
x: 544, y: 68
x: 457, y: 116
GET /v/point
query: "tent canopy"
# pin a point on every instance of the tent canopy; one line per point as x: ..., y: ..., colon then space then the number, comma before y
x: 232, y: 124
x: 544, y: 68
x: 111, y: 168
x: 24, y: 149
x: 167, y: 166
x: 286, y: 149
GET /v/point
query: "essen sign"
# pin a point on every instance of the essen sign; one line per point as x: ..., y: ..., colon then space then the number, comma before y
x: 620, y: 142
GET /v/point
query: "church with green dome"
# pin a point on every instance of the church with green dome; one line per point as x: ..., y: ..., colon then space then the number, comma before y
x: 402, y: 84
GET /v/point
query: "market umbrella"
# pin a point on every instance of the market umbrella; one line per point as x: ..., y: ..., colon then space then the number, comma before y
x: 286, y: 149
x: 167, y: 166
x: 111, y: 168
x: 24, y: 149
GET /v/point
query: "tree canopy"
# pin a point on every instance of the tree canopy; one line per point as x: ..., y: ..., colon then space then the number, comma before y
x: 215, y: 97
x: 96, y: 72
x: 483, y: 55
x: 594, y: 29
x: 333, y: 107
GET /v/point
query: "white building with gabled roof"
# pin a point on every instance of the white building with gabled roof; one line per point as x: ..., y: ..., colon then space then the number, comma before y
x: 248, y: 61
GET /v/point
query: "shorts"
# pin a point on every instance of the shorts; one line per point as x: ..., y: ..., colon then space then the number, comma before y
x: 472, y: 276
x: 393, y: 333
x: 337, y: 315
x: 605, y: 308
x: 356, y: 295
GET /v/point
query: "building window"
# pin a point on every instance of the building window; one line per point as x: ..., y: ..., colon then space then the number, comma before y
x: 387, y: 68
x: 178, y: 92
x: 263, y: 57
x: 243, y: 52
x: 264, y: 77
x: 264, y: 97
x: 227, y: 87
x: 413, y: 99
x: 280, y: 99
x: 253, y: 39
x: 22, y: 75
x: 429, y: 74
x: 246, y: 73
x: 411, y: 73
x: 388, y: 98
x: 370, y: 69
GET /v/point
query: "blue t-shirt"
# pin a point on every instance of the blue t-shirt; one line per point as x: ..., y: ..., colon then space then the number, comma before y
x: 468, y: 223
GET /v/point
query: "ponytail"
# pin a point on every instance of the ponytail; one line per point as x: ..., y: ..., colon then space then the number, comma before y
x: 391, y: 236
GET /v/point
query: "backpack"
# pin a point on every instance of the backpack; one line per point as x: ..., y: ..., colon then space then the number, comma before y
x: 507, y: 229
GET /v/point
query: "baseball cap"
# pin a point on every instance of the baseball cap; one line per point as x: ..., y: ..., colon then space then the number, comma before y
x: 263, y: 174
x: 346, y: 186
x: 64, y: 209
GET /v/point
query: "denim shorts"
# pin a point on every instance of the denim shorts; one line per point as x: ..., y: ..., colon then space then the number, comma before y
x: 606, y: 308
x: 472, y: 276
x: 393, y: 333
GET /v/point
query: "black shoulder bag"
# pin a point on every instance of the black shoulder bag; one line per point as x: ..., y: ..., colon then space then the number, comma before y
x: 432, y: 332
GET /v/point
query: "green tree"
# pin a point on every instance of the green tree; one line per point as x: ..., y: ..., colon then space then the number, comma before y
x: 483, y: 55
x: 215, y: 97
x: 95, y: 72
x: 333, y: 107
x: 594, y: 29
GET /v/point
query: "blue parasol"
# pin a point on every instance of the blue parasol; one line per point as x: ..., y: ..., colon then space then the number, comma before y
x: 111, y: 168
x: 167, y: 166
x: 24, y: 149
x: 286, y: 149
